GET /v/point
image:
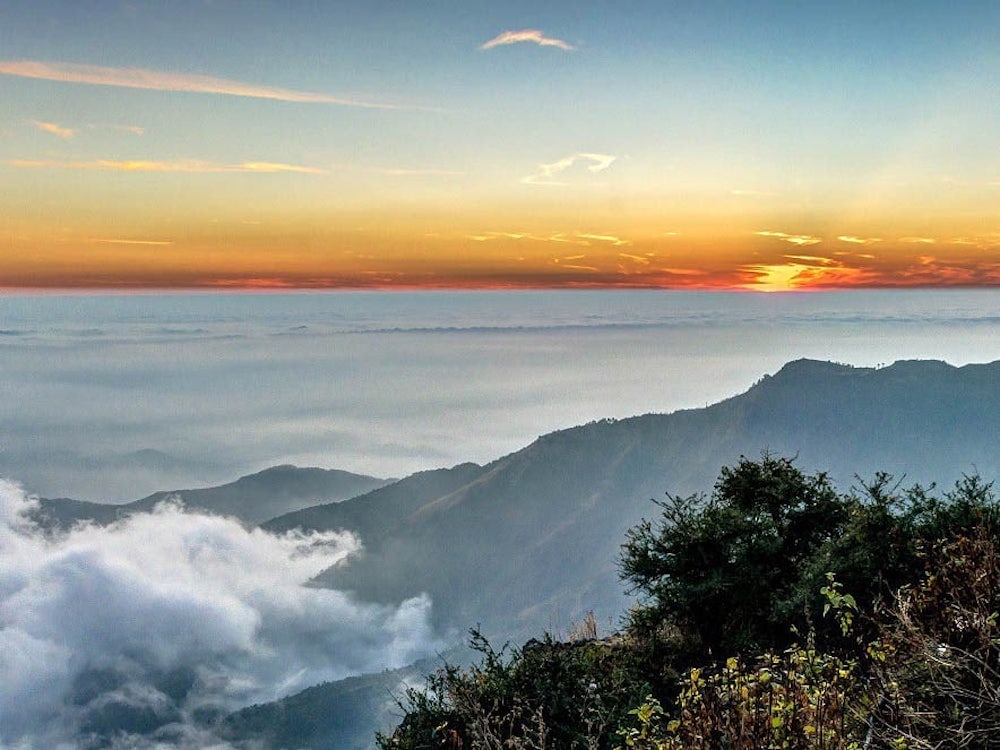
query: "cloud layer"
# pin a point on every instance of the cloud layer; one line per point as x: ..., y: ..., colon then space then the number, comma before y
x: 166, y: 620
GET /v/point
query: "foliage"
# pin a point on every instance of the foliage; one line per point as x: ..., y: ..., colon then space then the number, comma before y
x: 936, y: 664
x: 544, y: 695
x: 725, y: 570
x: 776, y: 613
x: 798, y: 699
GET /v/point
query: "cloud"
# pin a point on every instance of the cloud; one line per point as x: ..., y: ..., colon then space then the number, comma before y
x: 617, y: 241
x: 577, y: 238
x: 858, y: 240
x: 154, y: 80
x: 599, y: 162
x: 918, y: 240
x: 102, y: 241
x: 795, y: 239
x: 172, y: 615
x: 51, y: 127
x: 641, y: 259
x: 188, y: 166
x: 525, y: 35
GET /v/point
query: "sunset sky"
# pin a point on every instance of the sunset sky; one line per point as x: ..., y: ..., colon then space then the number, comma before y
x: 694, y: 144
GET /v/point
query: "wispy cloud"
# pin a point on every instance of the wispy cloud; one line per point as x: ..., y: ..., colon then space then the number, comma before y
x: 605, y: 238
x: 526, y: 35
x: 108, y: 241
x: 918, y: 240
x: 154, y: 80
x: 858, y: 240
x: 51, y: 127
x: 105, y: 165
x: 133, y: 129
x: 545, y: 173
x: 794, y: 239
x: 585, y: 239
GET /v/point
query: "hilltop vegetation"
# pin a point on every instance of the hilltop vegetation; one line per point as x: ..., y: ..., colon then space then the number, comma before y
x: 774, y: 612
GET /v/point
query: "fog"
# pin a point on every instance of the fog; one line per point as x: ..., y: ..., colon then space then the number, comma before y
x: 113, y: 398
x: 164, y: 622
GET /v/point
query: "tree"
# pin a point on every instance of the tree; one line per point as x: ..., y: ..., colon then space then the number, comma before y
x: 724, y: 572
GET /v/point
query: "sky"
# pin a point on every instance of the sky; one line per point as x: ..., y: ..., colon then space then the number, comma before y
x: 774, y: 145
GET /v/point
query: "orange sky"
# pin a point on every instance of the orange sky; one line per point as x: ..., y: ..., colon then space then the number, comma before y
x: 652, y: 148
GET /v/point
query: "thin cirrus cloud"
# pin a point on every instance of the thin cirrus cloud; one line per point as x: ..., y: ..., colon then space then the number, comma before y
x: 794, y: 239
x: 154, y: 80
x: 617, y: 241
x: 850, y: 239
x: 116, y: 241
x: 188, y: 167
x: 533, y: 36
x: 546, y: 172
x: 54, y: 129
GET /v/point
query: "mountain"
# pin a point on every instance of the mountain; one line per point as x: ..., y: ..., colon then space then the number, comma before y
x: 380, y: 512
x: 342, y: 715
x: 252, y: 499
x: 531, y: 541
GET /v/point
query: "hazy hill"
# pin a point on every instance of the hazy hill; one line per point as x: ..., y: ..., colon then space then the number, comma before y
x: 342, y: 715
x: 379, y: 512
x: 252, y: 498
x: 531, y: 541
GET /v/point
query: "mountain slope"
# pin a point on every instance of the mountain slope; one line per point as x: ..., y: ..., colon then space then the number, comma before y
x: 533, y: 540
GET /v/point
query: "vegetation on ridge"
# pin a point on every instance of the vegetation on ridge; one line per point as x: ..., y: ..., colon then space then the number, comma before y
x: 775, y: 612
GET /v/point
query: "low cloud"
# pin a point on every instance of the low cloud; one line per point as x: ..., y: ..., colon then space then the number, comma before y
x: 51, y: 127
x: 526, y: 35
x: 155, y: 80
x: 189, y: 166
x: 168, y: 619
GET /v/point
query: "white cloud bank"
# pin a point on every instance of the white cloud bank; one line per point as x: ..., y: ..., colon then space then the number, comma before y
x: 163, y: 618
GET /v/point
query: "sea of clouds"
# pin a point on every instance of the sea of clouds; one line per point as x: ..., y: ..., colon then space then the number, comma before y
x: 148, y: 631
x: 111, y: 398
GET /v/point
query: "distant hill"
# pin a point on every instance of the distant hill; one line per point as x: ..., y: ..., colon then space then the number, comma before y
x: 252, y: 498
x: 380, y: 512
x: 342, y: 715
x: 531, y: 541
